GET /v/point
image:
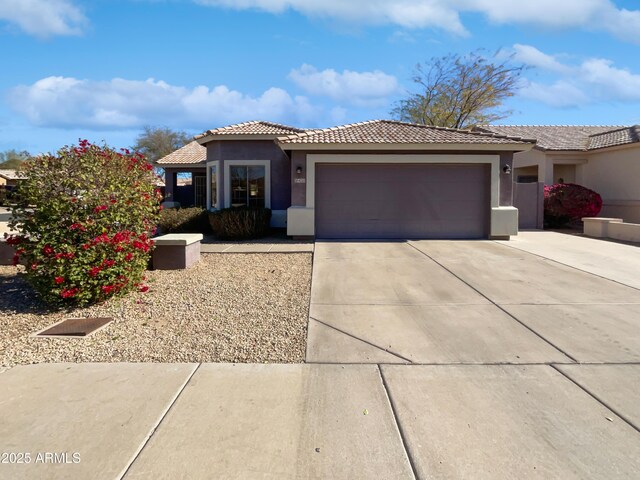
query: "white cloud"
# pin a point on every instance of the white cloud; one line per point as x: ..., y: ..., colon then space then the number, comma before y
x: 358, y: 88
x: 120, y: 104
x: 615, y: 82
x: 593, y: 80
x: 560, y: 94
x: 406, y: 13
x: 44, y: 18
x: 600, y: 15
x: 535, y: 58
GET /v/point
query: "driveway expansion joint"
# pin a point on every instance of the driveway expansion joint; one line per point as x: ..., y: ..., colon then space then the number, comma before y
x: 397, y: 422
x: 359, y: 339
x: 494, y: 303
x: 598, y: 399
x: 154, y: 429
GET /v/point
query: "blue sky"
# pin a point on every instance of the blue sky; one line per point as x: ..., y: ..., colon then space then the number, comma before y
x: 103, y: 69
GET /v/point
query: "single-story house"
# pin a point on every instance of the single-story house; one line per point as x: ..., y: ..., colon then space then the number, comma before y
x: 605, y: 159
x: 10, y: 178
x: 377, y: 179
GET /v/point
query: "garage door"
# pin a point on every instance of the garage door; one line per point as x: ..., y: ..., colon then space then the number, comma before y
x: 402, y: 201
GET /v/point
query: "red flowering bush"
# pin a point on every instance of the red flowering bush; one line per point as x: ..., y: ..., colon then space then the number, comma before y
x: 86, y: 217
x: 564, y: 202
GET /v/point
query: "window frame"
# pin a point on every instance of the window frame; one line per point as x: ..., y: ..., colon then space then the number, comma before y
x: 215, y: 163
x: 247, y: 163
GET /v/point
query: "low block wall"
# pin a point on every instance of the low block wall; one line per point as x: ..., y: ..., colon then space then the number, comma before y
x: 613, y: 228
x: 628, y: 232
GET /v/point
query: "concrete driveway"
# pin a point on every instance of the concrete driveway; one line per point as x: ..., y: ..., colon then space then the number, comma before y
x: 472, y: 302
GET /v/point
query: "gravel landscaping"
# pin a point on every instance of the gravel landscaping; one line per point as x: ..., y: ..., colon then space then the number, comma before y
x: 227, y: 308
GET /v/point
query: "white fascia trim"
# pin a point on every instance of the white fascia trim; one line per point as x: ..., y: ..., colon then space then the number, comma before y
x: 247, y: 163
x: 493, y: 160
x: 493, y: 147
x: 214, y: 163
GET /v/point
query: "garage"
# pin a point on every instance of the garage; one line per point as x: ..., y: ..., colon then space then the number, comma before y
x: 398, y: 201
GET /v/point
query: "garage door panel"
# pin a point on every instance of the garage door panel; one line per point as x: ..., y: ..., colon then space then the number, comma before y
x: 402, y: 201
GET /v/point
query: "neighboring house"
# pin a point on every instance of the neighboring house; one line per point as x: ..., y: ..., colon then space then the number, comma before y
x: 10, y: 178
x: 603, y: 158
x: 188, y: 159
x: 376, y: 179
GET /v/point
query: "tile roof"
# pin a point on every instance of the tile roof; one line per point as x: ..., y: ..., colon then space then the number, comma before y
x: 393, y: 132
x: 255, y: 127
x: 622, y: 136
x: 11, y: 174
x: 565, y: 137
x: 191, y: 153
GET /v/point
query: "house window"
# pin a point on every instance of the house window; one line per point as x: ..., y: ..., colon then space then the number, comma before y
x: 248, y: 185
x: 213, y: 175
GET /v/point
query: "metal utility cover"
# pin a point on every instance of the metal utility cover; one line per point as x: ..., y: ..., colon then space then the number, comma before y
x: 75, y: 327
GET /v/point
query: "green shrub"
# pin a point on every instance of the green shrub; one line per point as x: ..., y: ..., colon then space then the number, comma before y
x: 184, y: 220
x: 86, y: 217
x: 240, y: 223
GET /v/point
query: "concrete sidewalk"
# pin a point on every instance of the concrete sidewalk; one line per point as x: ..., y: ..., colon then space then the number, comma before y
x: 615, y: 261
x: 320, y: 421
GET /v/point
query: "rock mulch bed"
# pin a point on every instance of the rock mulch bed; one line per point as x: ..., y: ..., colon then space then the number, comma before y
x: 227, y: 308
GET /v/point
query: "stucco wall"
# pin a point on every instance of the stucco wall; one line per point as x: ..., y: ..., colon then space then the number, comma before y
x: 528, y: 159
x: 506, y: 180
x: 256, y: 150
x: 615, y: 175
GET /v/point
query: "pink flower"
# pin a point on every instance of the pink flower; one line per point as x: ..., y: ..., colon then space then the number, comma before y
x: 94, y: 271
x: 68, y: 293
x: 13, y: 240
x: 144, y: 289
x: 58, y: 280
x: 100, y: 208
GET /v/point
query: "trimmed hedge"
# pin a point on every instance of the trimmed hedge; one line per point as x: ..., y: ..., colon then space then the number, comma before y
x: 566, y: 202
x: 184, y: 220
x: 240, y: 223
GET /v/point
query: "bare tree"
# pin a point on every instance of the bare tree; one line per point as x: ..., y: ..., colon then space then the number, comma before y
x: 460, y: 91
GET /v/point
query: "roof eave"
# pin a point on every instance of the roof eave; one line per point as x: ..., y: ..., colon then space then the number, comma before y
x: 216, y: 137
x: 506, y: 147
x: 202, y: 164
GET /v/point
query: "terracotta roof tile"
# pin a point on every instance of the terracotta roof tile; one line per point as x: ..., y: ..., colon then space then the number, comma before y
x: 191, y: 153
x: 255, y: 127
x: 555, y: 137
x: 393, y: 132
x: 622, y: 136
